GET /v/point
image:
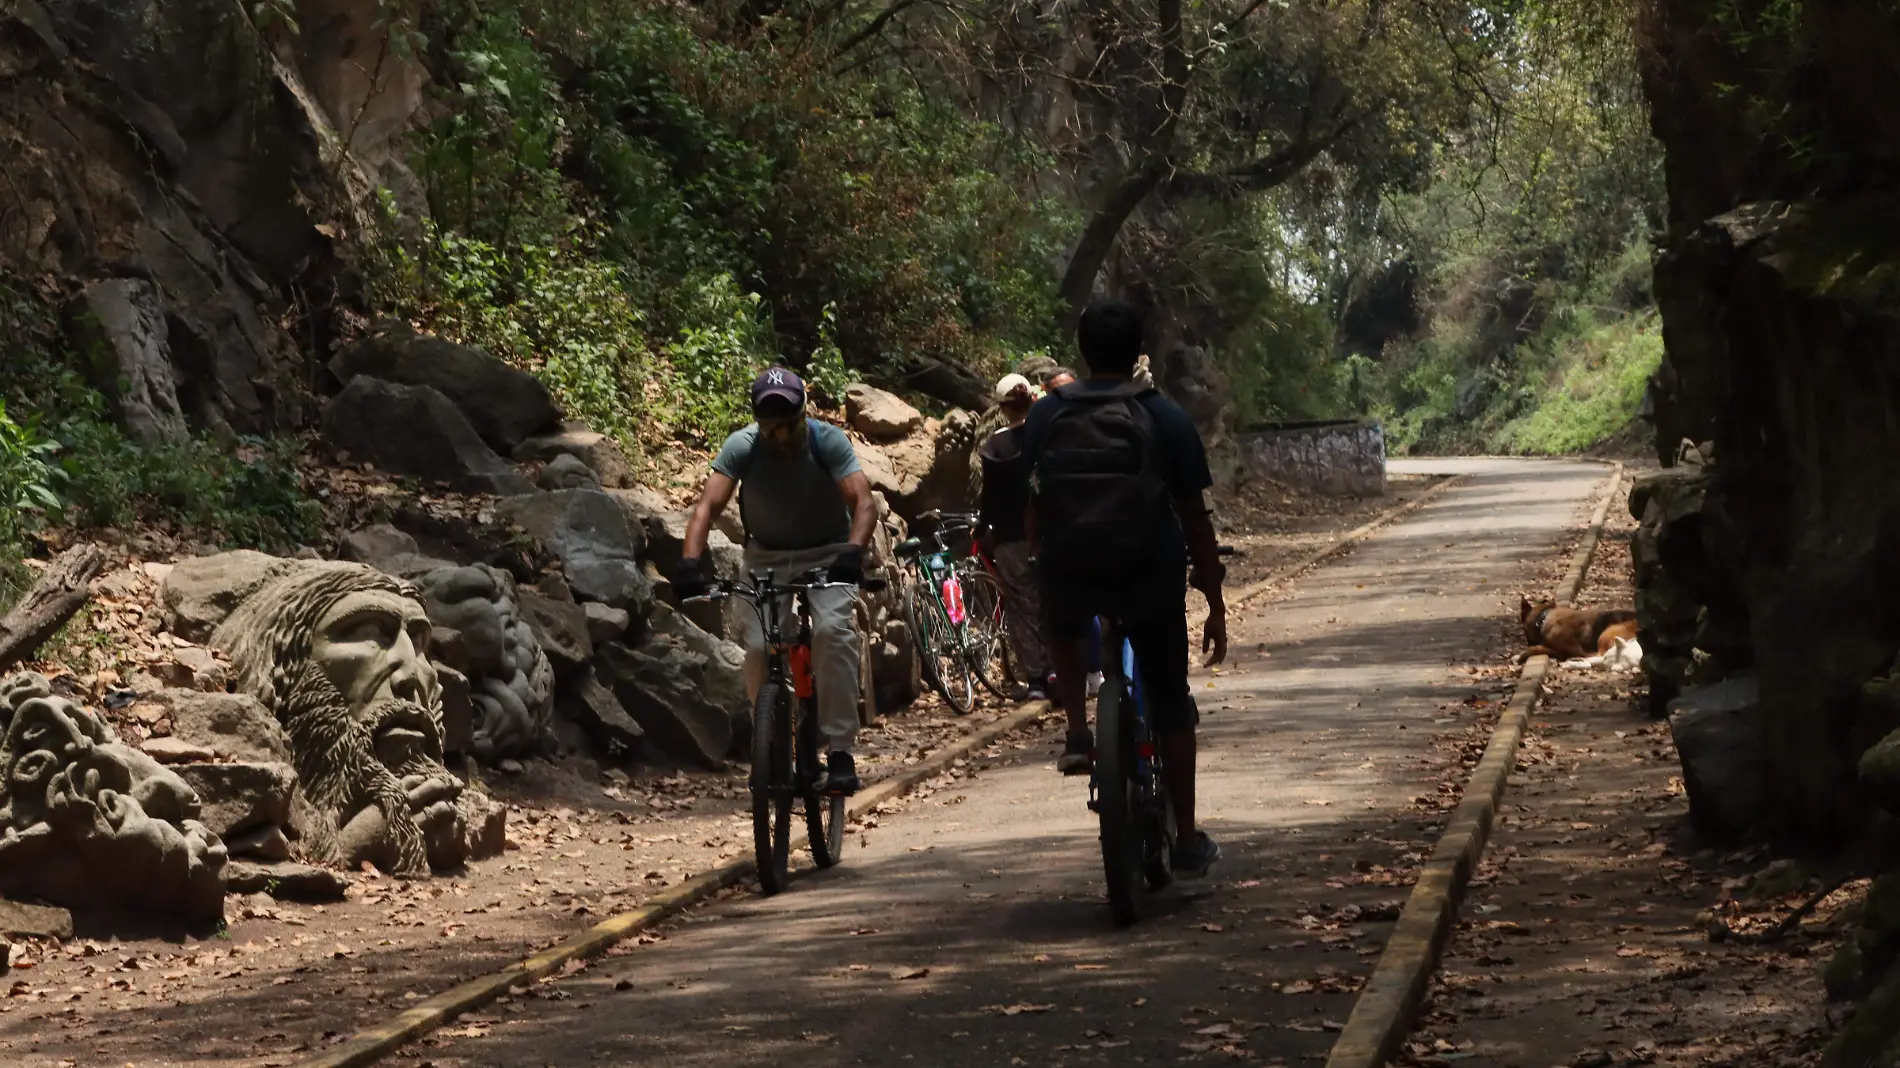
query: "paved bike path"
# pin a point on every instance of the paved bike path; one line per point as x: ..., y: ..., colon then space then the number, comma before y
x: 970, y: 927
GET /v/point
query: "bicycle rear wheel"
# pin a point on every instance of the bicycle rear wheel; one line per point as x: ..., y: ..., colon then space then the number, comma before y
x: 988, y: 642
x: 940, y: 649
x: 1117, y: 804
x: 824, y: 816
x: 772, y: 786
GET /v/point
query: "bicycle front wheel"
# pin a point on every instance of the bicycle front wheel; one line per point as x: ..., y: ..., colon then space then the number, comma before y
x: 824, y: 816
x: 772, y: 785
x: 1116, y: 803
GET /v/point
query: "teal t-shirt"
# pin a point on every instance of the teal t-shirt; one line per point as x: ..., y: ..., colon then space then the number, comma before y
x: 791, y: 502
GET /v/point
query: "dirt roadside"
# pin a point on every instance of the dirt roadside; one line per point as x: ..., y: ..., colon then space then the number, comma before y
x: 1598, y: 932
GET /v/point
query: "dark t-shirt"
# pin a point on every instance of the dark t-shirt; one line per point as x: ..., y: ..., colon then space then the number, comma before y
x: 1183, y: 459
x: 1005, y: 489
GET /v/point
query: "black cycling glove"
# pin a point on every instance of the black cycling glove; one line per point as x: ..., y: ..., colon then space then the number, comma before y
x: 691, y: 578
x: 848, y: 567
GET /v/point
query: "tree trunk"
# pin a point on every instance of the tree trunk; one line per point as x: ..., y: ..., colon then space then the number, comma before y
x: 1098, y: 240
x: 62, y: 590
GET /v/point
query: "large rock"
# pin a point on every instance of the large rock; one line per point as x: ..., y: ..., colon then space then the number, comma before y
x: 562, y: 629
x: 927, y: 470
x: 289, y: 882
x: 505, y: 406
x: 878, y: 415
x: 240, y: 797
x: 199, y: 593
x: 589, y: 533
x: 685, y: 687
x: 416, y: 430
x: 591, y: 704
x: 643, y: 503
x: 598, y: 451
x: 120, y: 324
x: 374, y: 545
x: 232, y: 726
x: 1718, y: 735
x: 566, y: 472
x: 22, y: 920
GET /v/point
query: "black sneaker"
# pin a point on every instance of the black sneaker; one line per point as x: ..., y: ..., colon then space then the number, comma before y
x: 1078, y: 756
x: 1192, y: 860
x: 841, y: 778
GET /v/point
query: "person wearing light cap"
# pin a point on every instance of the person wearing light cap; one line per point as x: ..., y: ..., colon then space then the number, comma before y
x: 806, y: 504
x: 1001, y: 509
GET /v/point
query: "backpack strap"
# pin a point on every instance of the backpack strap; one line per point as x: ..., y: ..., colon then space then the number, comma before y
x: 811, y: 439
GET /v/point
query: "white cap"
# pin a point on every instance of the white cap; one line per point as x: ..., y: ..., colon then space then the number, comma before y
x: 1011, y: 383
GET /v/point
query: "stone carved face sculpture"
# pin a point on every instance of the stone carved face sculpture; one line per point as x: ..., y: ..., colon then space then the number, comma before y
x: 89, y: 822
x: 338, y: 653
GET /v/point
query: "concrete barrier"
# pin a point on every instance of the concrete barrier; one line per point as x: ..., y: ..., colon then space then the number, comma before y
x: 1338, y: 458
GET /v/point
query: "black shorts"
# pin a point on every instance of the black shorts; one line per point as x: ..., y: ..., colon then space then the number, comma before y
x: 1153, y: 612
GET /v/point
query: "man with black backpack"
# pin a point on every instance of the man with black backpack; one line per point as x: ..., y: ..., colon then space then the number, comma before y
x: 1118, y: 508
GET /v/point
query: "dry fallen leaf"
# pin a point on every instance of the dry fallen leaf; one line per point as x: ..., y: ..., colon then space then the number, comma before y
x: 909, y: 973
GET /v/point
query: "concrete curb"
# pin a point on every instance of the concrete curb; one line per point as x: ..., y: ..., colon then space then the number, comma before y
x: 1281, y: 574
x: 373, y: 1044
x: 1383, y: 1015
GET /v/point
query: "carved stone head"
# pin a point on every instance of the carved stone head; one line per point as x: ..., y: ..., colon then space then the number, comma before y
x: 339, y: 654
x: 89, y: 822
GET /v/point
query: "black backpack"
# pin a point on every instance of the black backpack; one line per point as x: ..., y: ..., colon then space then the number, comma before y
x: 1098, y: 484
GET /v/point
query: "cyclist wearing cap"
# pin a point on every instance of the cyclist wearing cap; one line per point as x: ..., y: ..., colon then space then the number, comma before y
x: 806, y: 504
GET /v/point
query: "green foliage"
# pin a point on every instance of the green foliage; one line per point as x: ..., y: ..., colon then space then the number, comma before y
x: 1598, y: 390
x: 716, y: 201
x: 62, y: 459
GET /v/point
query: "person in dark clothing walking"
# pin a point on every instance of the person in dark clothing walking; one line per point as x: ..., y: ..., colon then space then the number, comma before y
x: 1002, y: 509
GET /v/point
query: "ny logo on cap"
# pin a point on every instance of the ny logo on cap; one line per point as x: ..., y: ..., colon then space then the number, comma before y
x: 775, y: 376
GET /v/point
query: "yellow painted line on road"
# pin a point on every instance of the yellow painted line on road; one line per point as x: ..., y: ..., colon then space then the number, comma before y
x: 1281, y: 574
x: 373, y: 1044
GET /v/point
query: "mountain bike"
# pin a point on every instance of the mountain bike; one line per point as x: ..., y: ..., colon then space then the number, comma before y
x: 1126, y: 789
x: 955, y: 612
x: 787, y: 762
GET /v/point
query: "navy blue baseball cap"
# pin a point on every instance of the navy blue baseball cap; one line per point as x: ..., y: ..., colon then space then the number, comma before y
x: 778, y: 382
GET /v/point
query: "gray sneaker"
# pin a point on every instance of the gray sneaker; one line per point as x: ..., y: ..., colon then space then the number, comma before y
x: 1192, y: 859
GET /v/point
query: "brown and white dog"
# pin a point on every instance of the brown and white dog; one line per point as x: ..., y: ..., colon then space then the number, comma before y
x: 1570, y: 633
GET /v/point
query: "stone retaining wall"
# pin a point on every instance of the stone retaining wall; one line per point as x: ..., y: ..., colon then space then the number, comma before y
x: 1339, y: 458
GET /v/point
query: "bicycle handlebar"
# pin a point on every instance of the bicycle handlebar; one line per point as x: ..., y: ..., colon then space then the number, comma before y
x: 811, y: 580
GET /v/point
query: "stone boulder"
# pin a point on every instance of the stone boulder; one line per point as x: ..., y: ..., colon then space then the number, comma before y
x: 288, y: 882
x: 598, y: 452
x: 199, y: 593
x: 605, y: 623
x: 565, y: 472
x: 589, y: 533
x: 878, y: 415
x: 929, y: 469
x: 659, y: 688
x: 416, y: 430
x: 232, y: 726
x: 561, y: 628
x: 120, y: 323
x: 1718, y: 736
x: 241, y: 797
x: 589, y: 703
x: 503, y: 405
x: 374, y: 545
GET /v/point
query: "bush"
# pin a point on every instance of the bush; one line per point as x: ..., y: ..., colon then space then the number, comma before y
x: 1598, y: 392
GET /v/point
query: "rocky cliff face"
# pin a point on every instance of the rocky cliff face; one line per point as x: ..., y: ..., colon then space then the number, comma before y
x: 170, y: 181
x: 1780, y: 289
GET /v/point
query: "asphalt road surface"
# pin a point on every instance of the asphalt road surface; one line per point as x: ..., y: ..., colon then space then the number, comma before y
x: 969, y: 928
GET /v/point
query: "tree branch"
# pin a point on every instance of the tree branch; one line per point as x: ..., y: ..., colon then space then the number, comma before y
x: 62, y: 590
x: 874, y: 27
x: 1268, y: 171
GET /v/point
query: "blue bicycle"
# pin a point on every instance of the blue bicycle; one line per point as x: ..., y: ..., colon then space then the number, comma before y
x: 1125, y: 787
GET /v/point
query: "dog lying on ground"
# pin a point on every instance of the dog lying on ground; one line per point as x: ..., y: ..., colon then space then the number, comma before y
x: 1572, y: 633
x: 1625, y: 654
